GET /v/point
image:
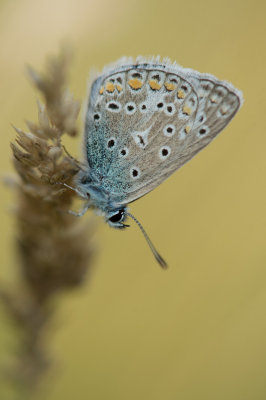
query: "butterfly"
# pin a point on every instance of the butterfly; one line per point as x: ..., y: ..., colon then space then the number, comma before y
x: 146, y: 118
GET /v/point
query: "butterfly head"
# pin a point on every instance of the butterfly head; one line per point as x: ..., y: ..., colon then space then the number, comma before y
x: 115, y: 218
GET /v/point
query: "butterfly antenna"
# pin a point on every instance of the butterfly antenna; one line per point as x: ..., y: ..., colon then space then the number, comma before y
x: 157, y: 256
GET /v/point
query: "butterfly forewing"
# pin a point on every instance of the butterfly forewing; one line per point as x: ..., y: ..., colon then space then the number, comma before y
x: 145, y: 121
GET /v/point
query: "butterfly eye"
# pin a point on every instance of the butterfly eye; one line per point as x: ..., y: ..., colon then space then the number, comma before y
x: 117, y: 217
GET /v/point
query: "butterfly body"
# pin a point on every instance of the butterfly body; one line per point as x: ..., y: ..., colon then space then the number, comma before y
x: 144, y: 120
x: 90, y: 188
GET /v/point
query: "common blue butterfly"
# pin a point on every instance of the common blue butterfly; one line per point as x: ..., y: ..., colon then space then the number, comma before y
x: 146, y: 118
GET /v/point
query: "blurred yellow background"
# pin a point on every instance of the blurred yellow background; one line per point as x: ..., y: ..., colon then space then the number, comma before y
x: 198, y: 330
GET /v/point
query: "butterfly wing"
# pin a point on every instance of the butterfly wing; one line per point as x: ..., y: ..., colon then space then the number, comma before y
x: 146, y: 120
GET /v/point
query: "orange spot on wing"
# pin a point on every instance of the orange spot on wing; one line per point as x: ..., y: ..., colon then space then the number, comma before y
x: 154, y: 85
x: 180, y: 94
x: 135, y: 83
x: 110, y: 87
x: 119, y: 88
x: 169, y: 86
x: 187, y: 110
x: 101, y: 90
x: 187, y: 129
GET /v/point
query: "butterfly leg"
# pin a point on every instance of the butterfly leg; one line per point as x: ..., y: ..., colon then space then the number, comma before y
x: 81, y: 212
x: 72, y: 188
